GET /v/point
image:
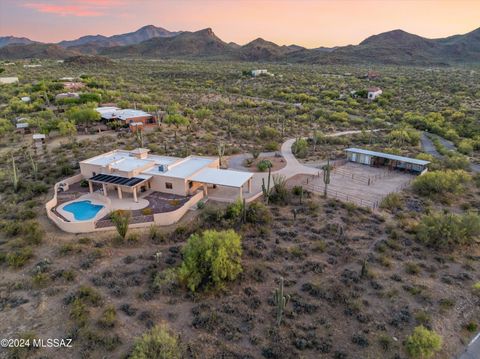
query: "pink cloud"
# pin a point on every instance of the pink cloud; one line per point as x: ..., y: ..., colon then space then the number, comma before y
x: 74, y: 7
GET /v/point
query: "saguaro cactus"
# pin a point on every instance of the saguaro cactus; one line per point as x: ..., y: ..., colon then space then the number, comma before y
x: 221, y: 152
x: 326, y: 177
x: 266, y: 189
x: 280, y: 301
x: 15, y: 180
x: 34, y: 165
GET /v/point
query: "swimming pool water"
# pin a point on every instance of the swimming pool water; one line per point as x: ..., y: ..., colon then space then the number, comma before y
x: 83, y: 210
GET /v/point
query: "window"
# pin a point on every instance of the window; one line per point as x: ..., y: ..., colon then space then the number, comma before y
x: 190, y: 184
x: 94, y: 174
x: 168, y: 185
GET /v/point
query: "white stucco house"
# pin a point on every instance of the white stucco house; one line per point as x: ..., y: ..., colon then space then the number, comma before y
x: 374, y: 92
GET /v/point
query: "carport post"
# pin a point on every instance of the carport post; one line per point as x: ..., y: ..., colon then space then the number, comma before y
x: 104, y: 186
x: 241, y: 193
x: 205, y: 190
x: 90, y: 186
x: 249, y: 185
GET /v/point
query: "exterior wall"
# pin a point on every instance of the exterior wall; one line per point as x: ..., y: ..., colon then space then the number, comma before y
x: 179, y: 185
x: 143, y: 119
x: 168, y: 218
x: 359, y: 158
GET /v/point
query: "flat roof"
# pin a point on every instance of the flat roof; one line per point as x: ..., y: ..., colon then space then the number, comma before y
x: 128, y: 164
x: 222, y: 177
x: 388, y: 156
x: 187, y: 167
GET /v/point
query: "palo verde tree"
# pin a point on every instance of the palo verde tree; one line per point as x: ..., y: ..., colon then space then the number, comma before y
x: 210, y: 259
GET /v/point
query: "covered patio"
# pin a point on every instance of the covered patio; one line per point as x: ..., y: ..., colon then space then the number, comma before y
x: 121, y: 184
x: 234, y: 180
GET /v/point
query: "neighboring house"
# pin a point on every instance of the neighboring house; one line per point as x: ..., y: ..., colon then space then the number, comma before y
x: 393, y: 162
x: 22, y: 127
x: 62, y: 96
x: 372, y: 75
x: 38, y: 138
x: 8, y: 80
x: 127, y: 116
x: 137, y: 170
x: 373, y: 93
x: 63, y: 79
x: 256, y: 73
x: 32, y: 65
x: 26, y: 99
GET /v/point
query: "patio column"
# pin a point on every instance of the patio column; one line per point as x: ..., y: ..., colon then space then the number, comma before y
x: 241, y: 193
x: 105, y: 193
x: 135, y: 194
x: 119, y: 190
x: 205, y: 190
x: 249, y: 185
x: 90, y: 186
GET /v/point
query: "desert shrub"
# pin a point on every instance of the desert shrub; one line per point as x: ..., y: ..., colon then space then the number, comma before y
x: 210, y: 259
x: 300, y: 147
x: 234, y: 210
x: 258, y: 213
x: 448, y: 230
x: 147, y: 211
x: 19, y: 258
x: 476, y: 289
x: 158, y: 342
x: 79, y: 313
x: 466, y: 147
x: 438, y: 183
x: 200, y: 204
x: 423, y: 343
x: 456, y: 162
x: 412, y: 268
x: 108, y: 318
x: 272, y: 146
x: 392, y: 202
x: 264, y: 165
x: 89, y: 295
x: 121, y: 220
x: 472, y: 327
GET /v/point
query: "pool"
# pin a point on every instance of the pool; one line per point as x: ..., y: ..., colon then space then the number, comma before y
x: 83, y: 210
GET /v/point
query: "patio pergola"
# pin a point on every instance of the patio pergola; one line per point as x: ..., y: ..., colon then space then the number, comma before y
x: 120, y: 182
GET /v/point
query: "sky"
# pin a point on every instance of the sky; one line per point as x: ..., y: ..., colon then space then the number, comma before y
x: 309, y: 23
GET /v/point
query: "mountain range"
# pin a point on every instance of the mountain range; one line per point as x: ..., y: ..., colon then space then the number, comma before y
x: 395, y: 47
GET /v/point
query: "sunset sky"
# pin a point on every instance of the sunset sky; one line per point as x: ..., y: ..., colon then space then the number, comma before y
x: 310, y: 23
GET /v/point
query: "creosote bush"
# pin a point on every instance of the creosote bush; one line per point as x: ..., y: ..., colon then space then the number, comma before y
x: 210, y: 259
x: 159, y: 342
x: 448, y: 230
x: 423, y: 343
x: 441, y: 182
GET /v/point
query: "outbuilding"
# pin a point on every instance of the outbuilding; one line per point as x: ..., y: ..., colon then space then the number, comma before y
x: 393, y: 162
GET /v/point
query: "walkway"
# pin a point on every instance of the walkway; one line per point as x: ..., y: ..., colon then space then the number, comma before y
x: 292, y: 168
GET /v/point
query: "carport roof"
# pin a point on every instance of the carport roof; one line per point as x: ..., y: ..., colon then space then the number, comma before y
x: 388, y: 156
x: 218, y: 177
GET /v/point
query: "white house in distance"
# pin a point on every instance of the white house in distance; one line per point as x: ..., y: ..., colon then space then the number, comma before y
x: 256, y: 73
x: 374, y: 92
x: 132, y: 171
